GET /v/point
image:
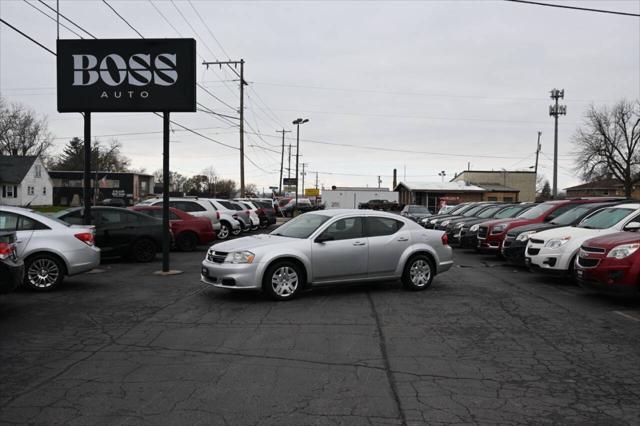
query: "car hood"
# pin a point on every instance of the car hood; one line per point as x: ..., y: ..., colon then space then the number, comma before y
x: 494, y: 222
x: 252, y: 242
x: 538, y: 227
x: 612, y: 240
x: 571, y: 231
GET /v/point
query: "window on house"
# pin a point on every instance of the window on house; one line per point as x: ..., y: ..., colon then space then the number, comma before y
x: 9, y: 191
x: 44, y: 190
x: 38, y: 171
x: 29, y: 190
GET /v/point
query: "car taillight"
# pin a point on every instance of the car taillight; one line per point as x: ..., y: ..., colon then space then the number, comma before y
x: 85, y: 237
x: 218, y: 215
x: 445, y: 240
x: 6, y: 250
x: 235, y: 215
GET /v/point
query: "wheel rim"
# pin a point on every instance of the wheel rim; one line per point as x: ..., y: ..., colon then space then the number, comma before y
x: 145, y: 250
x: 284, y: 281
x: 420, y: 273
x: 236, y: 231
x: 224, y: 232
x: 43, y: 273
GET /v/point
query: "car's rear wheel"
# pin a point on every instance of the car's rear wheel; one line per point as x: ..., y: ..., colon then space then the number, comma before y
x: 43, y: 272
x: 187, y: 241
x: 143, y: 250
x: 235, y: 232
x: 224, y: 231
x: 283, y: 280
x: 418, y: 273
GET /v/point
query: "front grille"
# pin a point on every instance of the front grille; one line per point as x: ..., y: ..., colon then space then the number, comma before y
x: 536, y: 241
x: 593, y: 249
x: 482, y: 232
x: 511, y: 235
x: 533, y: 251
x: 217, y: 256
x: 506, y: 243
x: 588, y: 263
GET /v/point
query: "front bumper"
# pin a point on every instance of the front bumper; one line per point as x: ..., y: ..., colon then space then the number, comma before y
x: 490, y: 243
x: 11, y: 273
x: 537, y: 255
x: 514, y: 251
x: 240, y: 276
x: 608, y: 281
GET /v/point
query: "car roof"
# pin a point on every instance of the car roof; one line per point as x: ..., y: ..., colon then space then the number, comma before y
x: 360, y: 212
x: 634, y: 206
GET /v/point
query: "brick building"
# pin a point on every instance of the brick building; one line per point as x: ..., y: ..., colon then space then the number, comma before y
x: 522, y: 181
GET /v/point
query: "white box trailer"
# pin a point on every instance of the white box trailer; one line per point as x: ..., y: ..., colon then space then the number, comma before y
x: 349, y: 198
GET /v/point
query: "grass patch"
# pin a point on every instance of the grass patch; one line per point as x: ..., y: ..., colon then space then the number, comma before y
x: 48, y: 209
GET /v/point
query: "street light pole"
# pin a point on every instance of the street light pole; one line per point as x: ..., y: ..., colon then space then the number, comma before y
x: 298, y: 122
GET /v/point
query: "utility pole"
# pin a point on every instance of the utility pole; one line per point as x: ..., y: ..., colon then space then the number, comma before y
x: 537, y: 154
x: 316, y: 180
x: 303, y: 175
x: 379, y: 181
x: 298, y: 122
x: 233, y: 65
x: 289, y: 167
x: 554, y: 111
x: 283, y: 131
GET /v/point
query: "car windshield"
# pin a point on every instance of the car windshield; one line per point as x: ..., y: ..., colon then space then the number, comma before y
x: 472, y: 211
x: 489, y: 212
x: 605, y: 218
x: 302, y: 226
x: 509, y: 212
x: 536, y: 211
x: 571, y: 216
x: 418, y: 209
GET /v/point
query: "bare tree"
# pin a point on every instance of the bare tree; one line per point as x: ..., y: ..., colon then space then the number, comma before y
x: 212, y: 178
x: 608, y: 143
x: 22, y: 132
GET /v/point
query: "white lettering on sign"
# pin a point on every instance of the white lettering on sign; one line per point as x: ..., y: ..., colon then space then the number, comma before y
x: 114, y: 70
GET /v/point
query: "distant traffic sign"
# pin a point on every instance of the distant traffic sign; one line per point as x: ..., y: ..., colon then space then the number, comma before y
x: 312, y: 192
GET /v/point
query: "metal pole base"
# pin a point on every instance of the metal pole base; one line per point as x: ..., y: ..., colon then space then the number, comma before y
x: 169, y: 272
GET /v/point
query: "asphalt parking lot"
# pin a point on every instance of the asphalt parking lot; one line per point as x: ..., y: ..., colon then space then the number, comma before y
x: 486, y: 344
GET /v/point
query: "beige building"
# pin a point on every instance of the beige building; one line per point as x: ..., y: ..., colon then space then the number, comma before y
x: 523, y: 181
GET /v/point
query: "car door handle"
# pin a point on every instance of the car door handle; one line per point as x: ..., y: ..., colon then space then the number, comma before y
x: 359, y: 243
x: 403, y: 239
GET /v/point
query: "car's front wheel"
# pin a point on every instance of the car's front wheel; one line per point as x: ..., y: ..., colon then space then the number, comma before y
x: 143, y: 250
x: 282, y: 280
x: 418, y: 273
x: 224, y: 231
x: 43, y: 272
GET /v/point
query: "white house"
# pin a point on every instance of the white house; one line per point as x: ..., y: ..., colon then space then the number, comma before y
x: 24, y: 181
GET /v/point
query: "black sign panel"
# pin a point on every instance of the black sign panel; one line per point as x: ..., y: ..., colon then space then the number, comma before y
x: 289, y: 181
x: 127, y: 75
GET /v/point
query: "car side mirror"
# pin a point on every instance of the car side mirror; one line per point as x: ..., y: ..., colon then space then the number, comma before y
x: 632, y: 226
x: 324, y: 238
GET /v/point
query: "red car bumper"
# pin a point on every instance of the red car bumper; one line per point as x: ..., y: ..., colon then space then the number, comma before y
x: 491, y: 243
x: 206, y: 237
x: 611, y: 276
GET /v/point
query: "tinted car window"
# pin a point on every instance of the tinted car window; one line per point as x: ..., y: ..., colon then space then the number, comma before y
x: 75, y: 217
x: 418, y: 209
x: 474, y: 210
x: 111, y: 217
x: 158, y: 214
x: 8, y: 221
x: 488, y: 212
x: 187, y: 206
x: 508, y: 212
x: 379, y: 226
x: 536, y: 211
x: 561, y: 210
x: 571, y: 216
x: 28, y: 224
x: 229, y: 205
x: 345, y: 229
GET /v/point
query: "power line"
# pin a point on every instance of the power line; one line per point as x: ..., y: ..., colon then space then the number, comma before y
x: 27, y: 37
x: 68, y: 20
x: 208, y: 29
x: 585, y: 9
x: 52, y: 18
x: 123, y: 20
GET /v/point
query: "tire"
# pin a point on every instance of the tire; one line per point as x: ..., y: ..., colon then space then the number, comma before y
x: 236, y: 232
x: 43, y: 272
x: 255, y: 227
x: 418, y: 273
x: 224, y: 232
x: 572, y: 270
x: 283, y: 280
x: 143, y: 250
x: 187, y: 241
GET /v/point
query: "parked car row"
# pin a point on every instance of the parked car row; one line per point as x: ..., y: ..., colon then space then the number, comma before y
x: 40, y: 250
x: 593, y: 240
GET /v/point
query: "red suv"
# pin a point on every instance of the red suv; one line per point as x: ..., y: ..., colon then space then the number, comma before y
x: 491, y: 234
x: 610, y: 264
x: 188, y: 231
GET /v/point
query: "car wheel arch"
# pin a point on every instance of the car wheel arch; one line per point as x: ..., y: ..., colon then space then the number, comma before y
x: 291, y: 258
x: 412, y: 252
x: 63, y: 261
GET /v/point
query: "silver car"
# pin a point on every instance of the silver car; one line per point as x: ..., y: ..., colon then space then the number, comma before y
x: 50, y: 248
x: 330, y: 246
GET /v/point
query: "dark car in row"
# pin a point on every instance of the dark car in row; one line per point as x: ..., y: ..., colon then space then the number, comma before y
x: 415, y: 212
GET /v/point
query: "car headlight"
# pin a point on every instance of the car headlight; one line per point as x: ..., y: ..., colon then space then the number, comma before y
x: 498, y: 229
x: 240, y: 257
x: 459, y: 225
x: 620, y: 252
x: 555, y: 243
x: 474, y: 228
x: 525, y: 236
x: 432, y: 221
x: 445, y: 223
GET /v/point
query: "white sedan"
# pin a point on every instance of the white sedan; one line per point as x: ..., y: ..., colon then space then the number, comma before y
x: 50, y: 248
x: 556, y: 249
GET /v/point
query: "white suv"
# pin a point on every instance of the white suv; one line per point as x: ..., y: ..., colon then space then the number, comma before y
x: 556, y: 249
x: 229, y: 221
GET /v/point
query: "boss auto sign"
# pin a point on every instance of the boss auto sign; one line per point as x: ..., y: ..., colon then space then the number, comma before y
x: 126, y: 75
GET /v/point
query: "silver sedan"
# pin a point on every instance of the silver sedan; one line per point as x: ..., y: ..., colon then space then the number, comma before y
x: 331, y: 246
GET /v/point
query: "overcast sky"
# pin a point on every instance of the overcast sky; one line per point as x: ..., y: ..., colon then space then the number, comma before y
x: 434, y: 84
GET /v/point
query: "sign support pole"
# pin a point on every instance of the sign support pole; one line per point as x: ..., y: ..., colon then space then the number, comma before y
x: 87, y: 168
x: 166, y: 238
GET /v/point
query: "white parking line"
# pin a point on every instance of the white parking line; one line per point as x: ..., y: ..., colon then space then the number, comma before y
x: 628, y: 316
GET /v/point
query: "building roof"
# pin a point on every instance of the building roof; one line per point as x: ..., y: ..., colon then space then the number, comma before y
x: 60, y: 173
x: 597, y: 184
x: 495, y: 187
x: 358, y: 188
x: 500, y: 172
x: 13, y: 169
x: 456, y: 186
